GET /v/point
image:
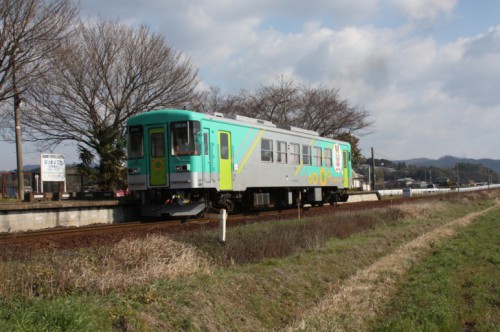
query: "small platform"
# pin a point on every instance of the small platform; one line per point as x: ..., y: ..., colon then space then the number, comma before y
x: 37, y: 205
x: 26, y: 216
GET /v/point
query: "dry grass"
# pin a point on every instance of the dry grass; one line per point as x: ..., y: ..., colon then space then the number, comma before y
x: 274, y: 240
x: 420, y: 210
x: 367, y: 289
x: 258, y: 242
x: 131, y: 262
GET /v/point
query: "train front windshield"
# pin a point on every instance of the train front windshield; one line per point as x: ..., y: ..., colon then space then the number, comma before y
x: 135, y: 142
x: 184, y: 138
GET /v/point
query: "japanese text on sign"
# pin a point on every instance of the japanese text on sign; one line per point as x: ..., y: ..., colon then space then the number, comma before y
x: 53, y: 167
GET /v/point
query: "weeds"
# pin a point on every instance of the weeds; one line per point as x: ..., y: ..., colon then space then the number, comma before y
x: 254, y: 243
x: 128, y: 263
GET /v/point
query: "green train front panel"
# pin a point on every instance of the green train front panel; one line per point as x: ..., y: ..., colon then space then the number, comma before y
x: 157, y: 157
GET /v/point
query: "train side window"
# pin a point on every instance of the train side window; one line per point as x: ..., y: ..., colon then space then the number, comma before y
x: 306, y: 155
x: 224, y: 146
x: 346, y: 159
x: 294, y: 154
x: 184, y: 138
x: 328, y: 157
x: 157, y: 145
x: 135, y: 142
x: 318, y: 157
x: 281, y: 152
x: 266, y: 148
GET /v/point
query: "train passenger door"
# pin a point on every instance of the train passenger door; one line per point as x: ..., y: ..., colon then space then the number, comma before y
x: 207, y: 164
x: 225, y: 161
x: 346, y: 168
x: 157, y: 157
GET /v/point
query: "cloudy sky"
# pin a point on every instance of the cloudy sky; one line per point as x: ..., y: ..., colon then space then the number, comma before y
x: 428, y: 71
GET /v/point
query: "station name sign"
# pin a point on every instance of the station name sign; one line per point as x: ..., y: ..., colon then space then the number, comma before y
x: 52, y: 167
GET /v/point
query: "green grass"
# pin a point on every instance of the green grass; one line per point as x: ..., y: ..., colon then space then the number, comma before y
x: 62, y: 314
x: 454, y: 289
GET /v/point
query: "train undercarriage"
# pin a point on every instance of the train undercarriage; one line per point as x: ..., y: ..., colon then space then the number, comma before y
x: 195, y: 202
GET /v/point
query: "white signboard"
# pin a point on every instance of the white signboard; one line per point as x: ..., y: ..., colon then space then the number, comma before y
x: 52, y: 167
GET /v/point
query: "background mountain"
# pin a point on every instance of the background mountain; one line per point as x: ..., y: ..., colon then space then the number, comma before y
x: 27, y: 168
x: 450, y: 162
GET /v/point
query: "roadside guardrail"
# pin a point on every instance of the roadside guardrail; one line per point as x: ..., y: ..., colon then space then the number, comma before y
x: 399, y: 192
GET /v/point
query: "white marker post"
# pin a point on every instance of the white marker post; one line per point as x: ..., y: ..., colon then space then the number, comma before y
x: 36, y: 180
x: 222, y: 225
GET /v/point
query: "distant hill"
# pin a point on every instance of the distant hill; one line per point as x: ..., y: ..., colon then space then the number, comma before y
x: 27, y: 168
x: 450, y: 162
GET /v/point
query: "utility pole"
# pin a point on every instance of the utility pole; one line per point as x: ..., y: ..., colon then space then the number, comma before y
x: 373, y: 168
x: 17, y: 119
x: 19, y: 147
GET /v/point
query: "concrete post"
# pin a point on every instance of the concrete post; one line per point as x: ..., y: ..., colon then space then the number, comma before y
x: 222, y: 225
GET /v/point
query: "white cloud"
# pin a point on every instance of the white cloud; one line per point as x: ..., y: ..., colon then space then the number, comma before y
x: 475, y: 74
x: 427, y: 97
x: 419, y: 90
x: 425, y: 10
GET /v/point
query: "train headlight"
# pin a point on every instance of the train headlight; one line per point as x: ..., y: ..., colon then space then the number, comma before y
x: 132, y: 171
x: 182, y: 168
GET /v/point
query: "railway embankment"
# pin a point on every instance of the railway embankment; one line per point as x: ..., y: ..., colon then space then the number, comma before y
x: 37, y: 215
x: 281, y: 275
x: 369, y: 288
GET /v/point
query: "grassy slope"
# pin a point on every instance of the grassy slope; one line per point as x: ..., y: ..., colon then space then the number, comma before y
x: 266, y: 295
x: 455, y: 288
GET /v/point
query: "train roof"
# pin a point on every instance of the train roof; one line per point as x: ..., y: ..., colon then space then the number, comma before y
x: 264, y: 123
x: 233, y: 118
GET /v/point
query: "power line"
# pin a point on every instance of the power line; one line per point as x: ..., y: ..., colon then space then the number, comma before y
x: 381, y: 155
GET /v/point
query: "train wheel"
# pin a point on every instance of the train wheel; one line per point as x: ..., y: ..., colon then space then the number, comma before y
x: 229, y: 206
x: 334, y: 198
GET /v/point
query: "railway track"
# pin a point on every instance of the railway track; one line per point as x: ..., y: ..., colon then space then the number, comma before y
x: 179, y: 224
x: 92, y: 230
x: 20, y: 244
x: 126, y: 226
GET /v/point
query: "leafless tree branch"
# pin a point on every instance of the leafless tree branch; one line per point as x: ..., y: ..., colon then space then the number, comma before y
x: 107, y: 73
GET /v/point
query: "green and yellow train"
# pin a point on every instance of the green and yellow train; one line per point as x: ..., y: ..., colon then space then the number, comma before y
x: 181, y: 163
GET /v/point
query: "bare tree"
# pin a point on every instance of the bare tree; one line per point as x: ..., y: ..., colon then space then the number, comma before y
x: 106, y: 74
x: 322, y: 110
x: 306, y: 106
x: 277, y: 103
x: 210, y: 101
x: 30, y: 30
